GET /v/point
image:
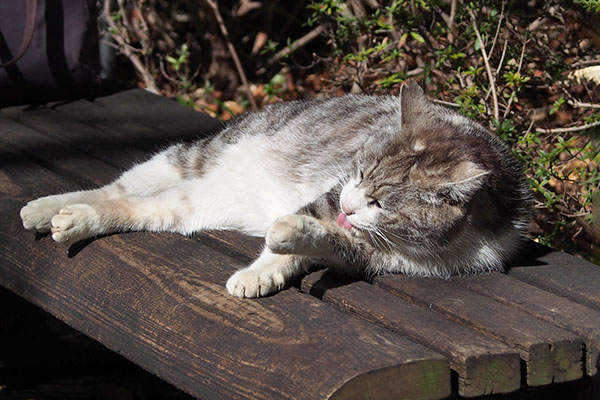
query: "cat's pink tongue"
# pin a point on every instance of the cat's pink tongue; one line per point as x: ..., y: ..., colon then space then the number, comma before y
x: 343, y: 221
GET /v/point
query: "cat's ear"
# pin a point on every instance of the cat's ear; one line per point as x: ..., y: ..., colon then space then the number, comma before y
x: 413, y: 102
x: 467, y: 178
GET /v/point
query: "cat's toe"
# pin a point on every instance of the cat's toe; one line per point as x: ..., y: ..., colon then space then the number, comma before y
x: 37, y: 214
x: 250, y: 284
x: 72, y: 223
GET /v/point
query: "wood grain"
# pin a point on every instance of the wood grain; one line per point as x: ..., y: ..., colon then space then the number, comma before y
x: 560, y: 273
x: 112, y: 149
x: 484, y: 366
x: 557, y: 310
x: 551, y: 354
x: 173, y: 121
x: 55, y: 154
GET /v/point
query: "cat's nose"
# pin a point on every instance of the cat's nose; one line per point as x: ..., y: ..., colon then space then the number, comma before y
x: 346, y: 210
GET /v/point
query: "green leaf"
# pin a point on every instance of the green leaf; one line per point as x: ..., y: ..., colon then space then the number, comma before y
x: 417, y: 37
x: 278, y: 79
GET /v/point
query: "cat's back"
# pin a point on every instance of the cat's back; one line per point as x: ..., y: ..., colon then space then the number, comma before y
x: 318, y: 117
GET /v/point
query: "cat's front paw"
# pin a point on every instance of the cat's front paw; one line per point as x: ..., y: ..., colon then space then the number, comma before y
x: 38, y: 213
x: 74, y: 223
x: 296, y: 234
x: 248, y: 283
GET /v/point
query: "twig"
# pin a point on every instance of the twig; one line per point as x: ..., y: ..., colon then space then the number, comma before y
x: 518, y: 72
x: 126, y: 49
x: 303, y: 41
x: 576, y: 104
x: 161, y: 66
x: 487, y: 65
x: 569, y: 129
x: 498, y: 29
x: 584, y: 63
x: 263, y: 34
x: 236, y: 60
x: 445, y: 103
x: 450, y: 21
x: 499, y: 67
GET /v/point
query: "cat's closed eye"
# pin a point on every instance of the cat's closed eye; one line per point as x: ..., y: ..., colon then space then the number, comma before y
x: 374, y: 203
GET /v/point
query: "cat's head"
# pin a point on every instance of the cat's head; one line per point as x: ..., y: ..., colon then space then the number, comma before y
x: 441, y: 180
x: 416, y: 197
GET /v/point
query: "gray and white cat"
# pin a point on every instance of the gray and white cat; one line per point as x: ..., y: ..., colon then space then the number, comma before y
x: 362, y: 184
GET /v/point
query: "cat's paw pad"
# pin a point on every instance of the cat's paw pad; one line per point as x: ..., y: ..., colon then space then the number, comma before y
x: 294, y: 234
x: 37, y: 213
x: 73, y: 223
x: 249, y: 284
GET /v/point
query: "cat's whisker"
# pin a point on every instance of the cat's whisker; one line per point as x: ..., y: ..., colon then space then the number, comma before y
x: 382, y: 246
x: 391, y: 245
x: 376, y: 242
x: 380, y: 238
x: 404, y: 238
x: 339, y: 179
x: 343, y: 177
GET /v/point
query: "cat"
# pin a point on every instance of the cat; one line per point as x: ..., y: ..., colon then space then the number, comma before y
x: 362, y: 184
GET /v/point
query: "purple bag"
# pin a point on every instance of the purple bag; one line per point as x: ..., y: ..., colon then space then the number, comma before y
x: 48, y: 50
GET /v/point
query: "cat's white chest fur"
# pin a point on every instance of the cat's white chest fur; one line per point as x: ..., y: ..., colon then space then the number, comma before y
x: 246, y: 191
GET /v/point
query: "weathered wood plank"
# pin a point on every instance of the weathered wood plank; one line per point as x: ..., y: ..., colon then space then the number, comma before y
x: 557, y: 310
x: 113, y: 149
x: 173, y: 120
x: 120, y: 125
x: 151, y: 298
x: 55, y: 154
x: 551, y: 354
x: 484, y: 366
x: 560, y: 273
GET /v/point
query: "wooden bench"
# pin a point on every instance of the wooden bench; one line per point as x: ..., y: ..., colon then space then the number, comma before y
x: 160, y: 299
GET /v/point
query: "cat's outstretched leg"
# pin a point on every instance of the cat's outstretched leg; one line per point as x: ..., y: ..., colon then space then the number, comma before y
x: 268, y: 274
x: 191, y: 206
x: 169, y: 211
x: 145, y: 179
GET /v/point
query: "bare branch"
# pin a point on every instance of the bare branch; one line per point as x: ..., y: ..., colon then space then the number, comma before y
x: 487, y: 65
x: 570, y: 129
x: 584, y: 63
x: 577, y: 104
x: 498, y: 28
x: 149, y: 81
x: 236, y: 60
x: 298, y: 44
x: 518, y: 72
x: 445, y: 103
x: 450, y: 21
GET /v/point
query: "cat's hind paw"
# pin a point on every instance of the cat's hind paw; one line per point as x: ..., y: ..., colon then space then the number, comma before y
x: 74, y: 223
x: 248, y: 283
x: 37, y: 213
x: 296, y: 234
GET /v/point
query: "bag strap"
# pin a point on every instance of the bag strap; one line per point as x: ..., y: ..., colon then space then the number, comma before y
x: 30, y: 16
